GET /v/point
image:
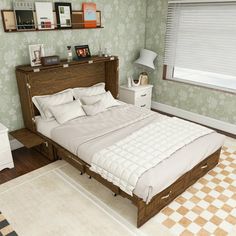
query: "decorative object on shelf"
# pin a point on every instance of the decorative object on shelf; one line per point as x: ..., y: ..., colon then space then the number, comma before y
x: 99, y: 19
x: 135, y: 83
x: 69, y: 54
x: 90, y: 14
x: 36, y: 53
x: 63, y: 13
x: 50, y: 60
x: 143, y: 77
x: 129, y: 82
x: 9, y: 20
x: 77, y: 20
x: 82, y: 51
x: 146, y: 62
x: 100, y: 53
x: 105, y: 52
x: 24, y: 16
x: 44, y: 13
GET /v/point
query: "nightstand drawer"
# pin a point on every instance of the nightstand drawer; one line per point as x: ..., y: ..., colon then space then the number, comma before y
x: 140, y: 96
x: 144, y: 103
x: 143, y: 95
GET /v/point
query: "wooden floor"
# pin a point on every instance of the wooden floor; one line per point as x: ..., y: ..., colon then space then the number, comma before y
x: 25, y: 161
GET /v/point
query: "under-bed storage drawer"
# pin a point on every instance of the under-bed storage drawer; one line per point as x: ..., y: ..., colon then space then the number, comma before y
x: 205, y: 166
x: 72, y: 159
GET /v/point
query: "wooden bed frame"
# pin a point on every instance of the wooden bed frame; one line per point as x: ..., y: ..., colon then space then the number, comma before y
x: 49, y: 80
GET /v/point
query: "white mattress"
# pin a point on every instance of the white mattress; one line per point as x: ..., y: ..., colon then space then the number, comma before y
x: 85, y: 136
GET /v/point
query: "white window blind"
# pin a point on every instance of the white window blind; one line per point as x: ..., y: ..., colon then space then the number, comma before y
x: 201, y: 41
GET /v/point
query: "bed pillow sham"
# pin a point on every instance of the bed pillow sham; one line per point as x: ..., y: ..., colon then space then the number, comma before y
x: 43, y: 103
x: 68, y: 111
x: 94, y: 109
x: 107, y: 99
x: 89, y: 91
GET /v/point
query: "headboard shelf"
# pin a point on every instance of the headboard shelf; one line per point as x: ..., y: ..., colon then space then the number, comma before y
x: 53, y: 79
x: 90, y: 60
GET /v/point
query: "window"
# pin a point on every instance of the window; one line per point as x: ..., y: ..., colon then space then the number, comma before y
x: 200, y: 43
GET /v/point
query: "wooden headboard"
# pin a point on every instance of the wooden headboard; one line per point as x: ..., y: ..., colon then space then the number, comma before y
x: 52, y: 79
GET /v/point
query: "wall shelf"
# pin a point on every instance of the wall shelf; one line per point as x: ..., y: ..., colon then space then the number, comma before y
x: 9, y: 22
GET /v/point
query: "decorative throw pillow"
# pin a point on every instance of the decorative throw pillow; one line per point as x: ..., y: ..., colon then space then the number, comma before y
x: 94, y: 109
x: 43, y: 103
x: 89, y: 91
x: 107, y: 99
x: 67, y: 111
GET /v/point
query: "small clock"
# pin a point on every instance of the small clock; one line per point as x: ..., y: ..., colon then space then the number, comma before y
x: 50, y: 60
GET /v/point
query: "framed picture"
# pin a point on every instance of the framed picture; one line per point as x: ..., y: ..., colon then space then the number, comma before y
x: 64, y: 14
x: 82, y: 51
x: 24, y: 15
x: 36, y: 52
x: 44, y: 15
x: 90, y: 14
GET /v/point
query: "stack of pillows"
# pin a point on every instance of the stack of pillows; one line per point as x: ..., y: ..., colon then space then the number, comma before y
x: 73, y: 103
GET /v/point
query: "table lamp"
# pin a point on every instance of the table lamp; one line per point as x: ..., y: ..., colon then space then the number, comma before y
x: 146, y: 61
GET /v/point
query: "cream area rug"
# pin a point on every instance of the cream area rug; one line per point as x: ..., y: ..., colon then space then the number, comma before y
x: 56, y: 200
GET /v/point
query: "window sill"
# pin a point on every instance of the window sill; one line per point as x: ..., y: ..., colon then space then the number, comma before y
x: 203, y: 85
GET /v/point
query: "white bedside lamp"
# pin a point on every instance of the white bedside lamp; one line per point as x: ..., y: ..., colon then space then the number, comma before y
x: 146, y: 61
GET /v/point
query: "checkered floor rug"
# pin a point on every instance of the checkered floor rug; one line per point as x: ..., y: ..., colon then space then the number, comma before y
x: 209, y: 206
x: 5, y: 228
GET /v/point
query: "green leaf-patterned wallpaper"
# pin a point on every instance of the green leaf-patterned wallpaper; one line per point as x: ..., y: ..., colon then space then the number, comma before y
x: 123, y: 35
x: 215, y: 104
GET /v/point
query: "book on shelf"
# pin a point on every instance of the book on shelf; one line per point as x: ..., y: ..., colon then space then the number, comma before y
x: 90, y: 15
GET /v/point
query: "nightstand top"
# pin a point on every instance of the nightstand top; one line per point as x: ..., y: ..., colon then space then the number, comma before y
x: 3, y: 129
x: 138, y: 88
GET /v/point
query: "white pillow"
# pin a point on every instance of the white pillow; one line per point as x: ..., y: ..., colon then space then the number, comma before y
x: 89, y: 91
x: 67, y: 111
x: 107, y: 99
x: 94, y: 109
x: 44, y: 102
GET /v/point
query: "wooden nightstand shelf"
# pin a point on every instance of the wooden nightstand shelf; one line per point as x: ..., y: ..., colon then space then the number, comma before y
x: 32, y: 140
x: 139, y: 96
x: 6, y: 160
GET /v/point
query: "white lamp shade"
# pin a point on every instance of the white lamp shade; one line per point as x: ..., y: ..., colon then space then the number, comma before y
x: 146, y: 59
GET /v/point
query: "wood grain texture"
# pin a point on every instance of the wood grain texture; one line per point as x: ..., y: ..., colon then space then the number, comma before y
x: 53, y: 79
x: 158, y: 202
x: 27, y: 138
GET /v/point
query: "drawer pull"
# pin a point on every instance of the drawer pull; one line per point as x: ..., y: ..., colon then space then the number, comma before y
x: 167, y: 196
x: 143, y: 105
x: 46, y: 144
x: 144, y: 95
x: 204, y: 167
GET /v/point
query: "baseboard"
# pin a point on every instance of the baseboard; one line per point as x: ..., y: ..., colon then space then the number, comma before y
x: 216, y: 124
x: 15, y: 144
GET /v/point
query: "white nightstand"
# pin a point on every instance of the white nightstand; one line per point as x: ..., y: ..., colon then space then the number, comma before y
x: 6, y: 160
x: 139, y: 96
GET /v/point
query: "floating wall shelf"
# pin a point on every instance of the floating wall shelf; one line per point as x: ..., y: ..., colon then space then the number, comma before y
x: 9, y: 22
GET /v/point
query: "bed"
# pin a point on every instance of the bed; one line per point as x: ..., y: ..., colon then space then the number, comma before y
x: 78, y: 140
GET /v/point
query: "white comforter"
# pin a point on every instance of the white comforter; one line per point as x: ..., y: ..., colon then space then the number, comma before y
x: 124, y: 162
x: 86, y: 136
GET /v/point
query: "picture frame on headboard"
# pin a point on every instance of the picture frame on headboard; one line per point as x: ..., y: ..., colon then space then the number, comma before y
x: 63, y: 14
x: 36, y: 52
x: 82, y: 52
